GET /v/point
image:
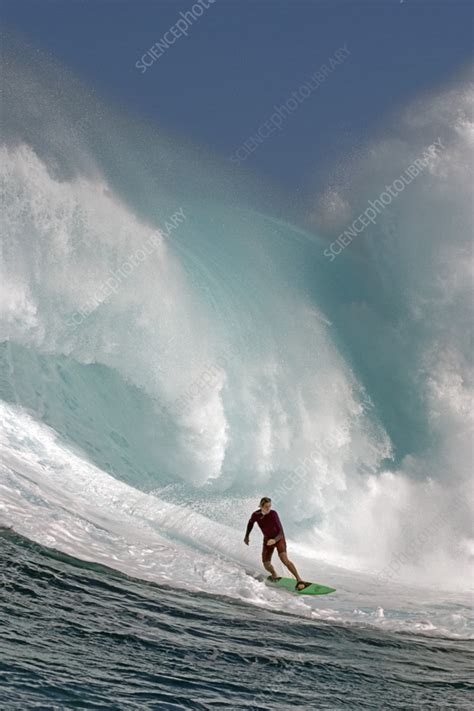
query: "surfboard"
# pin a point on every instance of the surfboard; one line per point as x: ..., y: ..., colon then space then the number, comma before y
x: 289, y: 584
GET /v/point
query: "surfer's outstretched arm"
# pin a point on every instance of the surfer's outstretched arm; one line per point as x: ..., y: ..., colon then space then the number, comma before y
x: 249, y: 528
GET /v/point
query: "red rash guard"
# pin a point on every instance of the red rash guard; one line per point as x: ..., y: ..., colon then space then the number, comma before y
x: 269, y: 523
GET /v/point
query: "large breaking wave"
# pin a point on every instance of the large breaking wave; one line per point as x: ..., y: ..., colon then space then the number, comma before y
x: 234, y: 360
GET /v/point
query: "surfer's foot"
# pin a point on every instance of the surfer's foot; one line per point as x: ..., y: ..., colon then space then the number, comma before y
x: 273, y: 579
x: 301, y: 585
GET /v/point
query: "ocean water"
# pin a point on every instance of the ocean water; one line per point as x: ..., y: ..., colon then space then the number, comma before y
x: 79, y: 635
x: 170, y: 353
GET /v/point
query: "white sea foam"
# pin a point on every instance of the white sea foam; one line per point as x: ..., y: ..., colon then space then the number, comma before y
x: 57, y: 498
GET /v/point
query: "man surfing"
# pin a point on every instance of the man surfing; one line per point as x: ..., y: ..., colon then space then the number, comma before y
x: 273, y: 537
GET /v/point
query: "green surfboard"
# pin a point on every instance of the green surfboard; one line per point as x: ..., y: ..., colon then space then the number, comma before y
x: 290, y: 583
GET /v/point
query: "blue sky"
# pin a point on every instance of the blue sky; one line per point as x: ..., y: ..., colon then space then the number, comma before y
x: 242, y: 57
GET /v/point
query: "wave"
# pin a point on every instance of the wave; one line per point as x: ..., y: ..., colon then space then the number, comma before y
x: 230, y: 359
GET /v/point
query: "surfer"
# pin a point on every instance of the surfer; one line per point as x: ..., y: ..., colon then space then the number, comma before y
x: 273, y: 537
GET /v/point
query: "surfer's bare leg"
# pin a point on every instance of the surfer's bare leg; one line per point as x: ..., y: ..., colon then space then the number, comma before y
x: 268, y: 566
x: 291, y: 566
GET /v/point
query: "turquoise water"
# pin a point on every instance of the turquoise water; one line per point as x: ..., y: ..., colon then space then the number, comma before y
x: 156, y: 382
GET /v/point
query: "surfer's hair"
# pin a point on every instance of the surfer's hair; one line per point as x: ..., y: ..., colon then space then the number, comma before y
x: 265, y: 500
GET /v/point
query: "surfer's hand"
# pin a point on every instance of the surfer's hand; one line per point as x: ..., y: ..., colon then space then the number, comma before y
x: 271, y: 542
x: 246, y: 541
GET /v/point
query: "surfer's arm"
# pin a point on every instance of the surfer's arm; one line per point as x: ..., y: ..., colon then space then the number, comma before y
x: 280, y: 533
x: 249, y: 527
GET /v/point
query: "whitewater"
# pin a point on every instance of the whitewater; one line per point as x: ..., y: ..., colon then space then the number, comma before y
x: 159, y: 375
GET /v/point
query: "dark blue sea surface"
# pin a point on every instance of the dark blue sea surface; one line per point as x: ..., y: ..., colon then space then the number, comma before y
x: 78, y: 635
